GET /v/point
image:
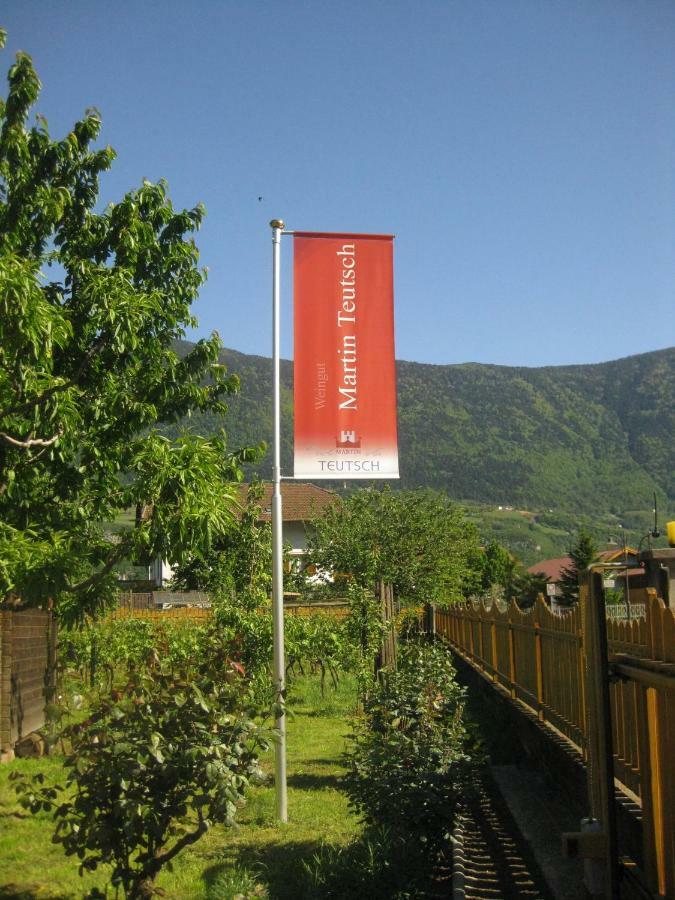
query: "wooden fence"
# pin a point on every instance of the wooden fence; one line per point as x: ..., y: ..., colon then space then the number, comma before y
x: 179, y: 614
x: 27, y: 671
x: 544, y: 662
x: 163, y: 599
x: 199, y: 615
x: 337, y: 609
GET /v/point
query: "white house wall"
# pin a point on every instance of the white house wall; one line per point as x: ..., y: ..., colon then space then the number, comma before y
x: 295, y: 535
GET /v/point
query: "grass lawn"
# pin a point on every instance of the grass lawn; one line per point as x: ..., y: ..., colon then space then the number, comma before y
x: 260, y: 858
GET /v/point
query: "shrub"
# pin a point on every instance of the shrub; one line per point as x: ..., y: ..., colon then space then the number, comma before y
x: 410, y: 759
x: 248, y: 632
x: 325, y: 642
x: 152, y: 767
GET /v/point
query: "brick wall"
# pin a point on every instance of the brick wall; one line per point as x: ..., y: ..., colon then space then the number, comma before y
x: 27, y: 655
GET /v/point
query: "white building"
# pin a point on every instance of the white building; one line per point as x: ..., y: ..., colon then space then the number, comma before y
x: 301, y: 503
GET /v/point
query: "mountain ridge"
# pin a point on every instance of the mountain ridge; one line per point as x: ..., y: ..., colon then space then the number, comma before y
x: 579, y: 437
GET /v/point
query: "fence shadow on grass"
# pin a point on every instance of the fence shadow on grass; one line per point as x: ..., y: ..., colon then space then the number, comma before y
x: 280, y: 867
x: 328, y: 762
x: 16, y: 892
x: 310, y: 782
x: 369, y: 866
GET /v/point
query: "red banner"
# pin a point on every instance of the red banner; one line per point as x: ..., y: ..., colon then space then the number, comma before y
x: 345, y: 377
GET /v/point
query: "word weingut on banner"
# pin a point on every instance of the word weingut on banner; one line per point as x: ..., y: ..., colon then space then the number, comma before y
x: 345, y: 377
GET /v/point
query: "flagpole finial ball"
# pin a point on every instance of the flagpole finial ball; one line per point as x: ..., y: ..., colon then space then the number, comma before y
x: 277, y: 223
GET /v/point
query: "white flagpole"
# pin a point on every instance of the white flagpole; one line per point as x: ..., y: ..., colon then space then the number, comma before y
x: 277, y: 227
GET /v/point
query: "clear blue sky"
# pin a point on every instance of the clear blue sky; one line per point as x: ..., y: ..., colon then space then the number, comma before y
x: 522, y: 152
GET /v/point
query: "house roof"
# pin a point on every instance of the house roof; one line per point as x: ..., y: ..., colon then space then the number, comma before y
x: 300, y: 502
x: 619, y: 555
x: 552, y: 568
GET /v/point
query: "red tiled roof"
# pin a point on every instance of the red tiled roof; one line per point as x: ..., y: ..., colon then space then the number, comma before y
x: 300, y: 502
x: 551, y: 568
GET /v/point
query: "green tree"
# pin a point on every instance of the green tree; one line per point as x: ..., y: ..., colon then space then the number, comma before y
x: 582, y: 553
x: 239, y: 563
x: 500, y: 570
x: 498, y: 567
x: 90, y: 305
x: 526, y: 587
x: 419, y: 541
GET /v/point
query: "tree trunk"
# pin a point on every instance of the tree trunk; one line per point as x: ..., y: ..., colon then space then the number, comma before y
x: 386, y: 658
x: 143, y: 890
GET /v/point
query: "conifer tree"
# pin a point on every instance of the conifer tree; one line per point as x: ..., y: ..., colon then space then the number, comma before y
x: 582, y: 554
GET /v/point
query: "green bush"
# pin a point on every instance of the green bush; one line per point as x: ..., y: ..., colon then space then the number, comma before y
x: 410, y: 759
x: 153, y: 766
x: 329, y: 645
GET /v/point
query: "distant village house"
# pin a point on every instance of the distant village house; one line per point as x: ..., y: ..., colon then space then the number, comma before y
x: 301, y: 504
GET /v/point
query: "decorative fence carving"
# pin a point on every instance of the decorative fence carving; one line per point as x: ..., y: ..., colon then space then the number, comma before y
x: 540, y: 660
x: 626, y: 611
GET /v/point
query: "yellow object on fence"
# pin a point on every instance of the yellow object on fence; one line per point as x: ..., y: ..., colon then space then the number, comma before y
x: 670, y: 531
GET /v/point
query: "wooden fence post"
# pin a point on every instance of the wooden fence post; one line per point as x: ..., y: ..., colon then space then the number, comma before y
x: 52, y: 655
x: 655, y: 786
x: 539, y: 664
x: 583, y: 688
x: 600, y: 771
x: 493, y: 642
x: 481, y: 648
x: 6, y: 624
x: 512, y: 657
x: 655, y: 711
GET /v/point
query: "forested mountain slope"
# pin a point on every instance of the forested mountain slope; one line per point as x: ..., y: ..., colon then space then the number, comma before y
x: 585, y: 439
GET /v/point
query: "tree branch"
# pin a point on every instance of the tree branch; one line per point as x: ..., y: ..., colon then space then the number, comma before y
x: 36, y: 401
x: 30, y: 442
x: 24, y: 463
x: 187, y: 839
x: 114, y: 557
x: 57, y: 388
